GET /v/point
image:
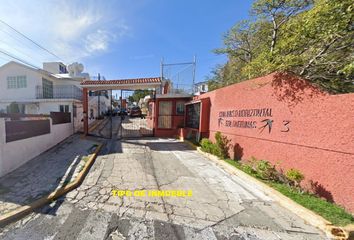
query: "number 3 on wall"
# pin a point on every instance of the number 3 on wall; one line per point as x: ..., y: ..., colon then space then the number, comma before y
x: 285, y: 126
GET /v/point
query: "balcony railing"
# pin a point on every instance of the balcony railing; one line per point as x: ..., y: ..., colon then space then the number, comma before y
x: 59, y: 91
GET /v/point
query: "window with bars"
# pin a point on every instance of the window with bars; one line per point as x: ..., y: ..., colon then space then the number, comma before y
x: 47, y: 88
x: 180, y: 107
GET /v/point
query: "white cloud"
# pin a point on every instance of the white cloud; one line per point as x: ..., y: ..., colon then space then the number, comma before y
x: 74, y: 30
x: 97, y: 41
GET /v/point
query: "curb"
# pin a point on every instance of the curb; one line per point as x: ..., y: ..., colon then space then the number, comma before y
x: 24, y: 210
x: 334, y: 232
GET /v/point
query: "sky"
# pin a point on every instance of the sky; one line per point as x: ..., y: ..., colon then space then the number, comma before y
x: 120, y: 38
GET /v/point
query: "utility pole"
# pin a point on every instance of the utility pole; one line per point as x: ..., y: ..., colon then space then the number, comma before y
x: 98, y: 99
x: 194, y: 67
x: 161, y: 75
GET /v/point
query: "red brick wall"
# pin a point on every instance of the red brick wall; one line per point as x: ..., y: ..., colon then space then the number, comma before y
x: 311, y: 130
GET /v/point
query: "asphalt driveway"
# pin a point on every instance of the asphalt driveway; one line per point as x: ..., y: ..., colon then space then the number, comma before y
x: 221, y: 206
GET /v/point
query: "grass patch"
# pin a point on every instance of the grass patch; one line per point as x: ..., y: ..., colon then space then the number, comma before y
x: 330, y: 211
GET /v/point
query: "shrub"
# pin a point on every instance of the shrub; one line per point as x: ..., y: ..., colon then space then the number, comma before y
x: 248, y: 169
x: 266, y: 171
x: 294, y: 176
x: 207, y: 146
x: 223, y: 145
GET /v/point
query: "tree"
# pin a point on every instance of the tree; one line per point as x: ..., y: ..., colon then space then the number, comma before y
x: 278, y: 12
x: 313, y: 39
x: 138, y: 94
x: 320, y: 45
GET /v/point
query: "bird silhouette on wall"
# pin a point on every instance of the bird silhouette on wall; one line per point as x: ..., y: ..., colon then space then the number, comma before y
x: 268, y: 123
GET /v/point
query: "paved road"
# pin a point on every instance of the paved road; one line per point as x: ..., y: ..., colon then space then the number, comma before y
x: 222, y: 206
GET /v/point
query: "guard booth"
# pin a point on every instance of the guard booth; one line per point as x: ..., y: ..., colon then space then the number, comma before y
x: 167, y: 113
x: 116, y: 124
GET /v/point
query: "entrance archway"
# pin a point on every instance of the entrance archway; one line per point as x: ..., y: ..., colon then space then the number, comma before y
x: 117, y: 120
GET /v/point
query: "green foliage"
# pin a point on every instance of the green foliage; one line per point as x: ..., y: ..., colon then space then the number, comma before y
x: 138, y: 94
x: 313, y: 39
x: 206, y: 145
x: 266, y: 171
x: 248, y: 169
x: 223, y: 145
x: 330, y: 211
x: 220, y: 148
x: 294, y: 176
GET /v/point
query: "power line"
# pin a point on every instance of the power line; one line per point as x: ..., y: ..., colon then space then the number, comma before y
x: 20, y: 40
x: 29, y: 39
x: 18, y: 59
x: 20, y: 51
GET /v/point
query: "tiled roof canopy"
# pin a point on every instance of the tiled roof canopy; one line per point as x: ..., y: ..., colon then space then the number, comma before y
x: 123, y: 81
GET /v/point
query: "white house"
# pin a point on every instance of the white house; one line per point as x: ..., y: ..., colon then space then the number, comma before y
x: 39, y: 91
x: 201, y: 87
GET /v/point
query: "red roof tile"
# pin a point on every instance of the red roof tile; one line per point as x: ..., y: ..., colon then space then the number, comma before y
x: 122, y: 81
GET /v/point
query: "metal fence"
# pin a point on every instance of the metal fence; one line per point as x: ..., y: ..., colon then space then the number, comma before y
x: 181, y: 76
x: 59, y: 92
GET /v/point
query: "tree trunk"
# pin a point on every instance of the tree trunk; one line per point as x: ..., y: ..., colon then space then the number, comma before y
x: 274, y: 35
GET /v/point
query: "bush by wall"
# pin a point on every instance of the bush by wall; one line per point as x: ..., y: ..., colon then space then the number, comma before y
x: 220, y: 148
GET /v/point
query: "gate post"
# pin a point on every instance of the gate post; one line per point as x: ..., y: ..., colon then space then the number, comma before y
x: 85, y: 110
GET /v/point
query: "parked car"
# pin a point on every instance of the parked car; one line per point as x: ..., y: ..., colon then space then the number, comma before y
x: 135, y: 112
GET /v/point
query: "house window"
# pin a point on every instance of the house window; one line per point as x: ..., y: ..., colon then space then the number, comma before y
x: 62, y: 69
x: 47, y: 88
x: 203, y: 87
x: 11, y: 82
x: 179, y: 108
x: 63, y: 108
x: 14, y: 82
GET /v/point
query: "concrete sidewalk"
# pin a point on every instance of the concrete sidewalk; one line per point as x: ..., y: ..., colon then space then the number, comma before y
x: 43, y: 174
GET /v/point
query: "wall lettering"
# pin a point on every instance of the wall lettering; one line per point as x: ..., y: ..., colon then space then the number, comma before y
x: 258, y: 112
x: 225, y: 119
x: 286, y: 127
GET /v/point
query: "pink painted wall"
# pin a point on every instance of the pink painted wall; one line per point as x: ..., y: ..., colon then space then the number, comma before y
x: 311, y: 130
